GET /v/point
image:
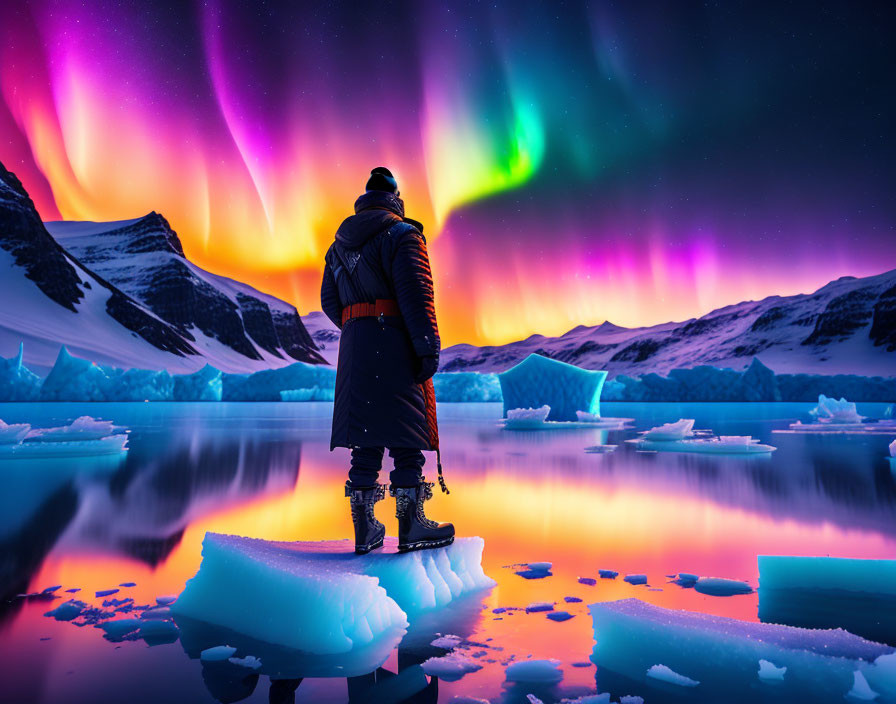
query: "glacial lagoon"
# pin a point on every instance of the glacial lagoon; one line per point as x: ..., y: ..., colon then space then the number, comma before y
x: 265, y: 470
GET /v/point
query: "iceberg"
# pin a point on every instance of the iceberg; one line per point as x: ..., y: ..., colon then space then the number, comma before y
x: 17, y: 382
x: 13, y: 434
x: 831, y: 410
x: 723, y: 654
x: 467, y: 387
x: 315, y: 393
x: 267, y: 384
x: 830, y: 592
x: 540, y: 381
x: 679, y: 430
x: 321, y: 598
x: 203, y: 385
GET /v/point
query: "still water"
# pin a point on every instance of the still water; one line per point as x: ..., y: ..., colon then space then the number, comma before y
x: 265, y: 470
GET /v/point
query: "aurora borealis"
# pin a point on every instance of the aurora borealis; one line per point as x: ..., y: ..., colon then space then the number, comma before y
x: 573, y: 162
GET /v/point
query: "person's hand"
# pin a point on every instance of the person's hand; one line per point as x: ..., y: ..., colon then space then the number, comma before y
x: 427, y: 366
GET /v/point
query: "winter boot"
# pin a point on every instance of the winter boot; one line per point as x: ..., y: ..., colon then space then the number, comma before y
x: 369, y: 532
x: 415, y: 530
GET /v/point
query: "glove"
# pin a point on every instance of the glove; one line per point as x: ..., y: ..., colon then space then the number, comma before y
x: 426, y: 367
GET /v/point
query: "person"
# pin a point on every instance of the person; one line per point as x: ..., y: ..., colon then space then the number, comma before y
x: 377, y: 288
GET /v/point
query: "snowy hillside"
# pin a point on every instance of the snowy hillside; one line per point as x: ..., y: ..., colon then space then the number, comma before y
x: 324, y: 334
x: 137, y: 303
x: 845, y: 327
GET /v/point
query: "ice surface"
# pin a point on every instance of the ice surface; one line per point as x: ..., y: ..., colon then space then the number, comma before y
x: 534, y: 671
x: 831, y: 410
x: 112, y: 445
x: 267, y: 384
x: 17, y: 382
x: 321, y: 597
x: 680, y: 429
x: 540, y: 381
x: 666, y: 674
x: 769, y: 673
x: 13, y: 434
x: 204, y: 385
x: 217, y: 653
x: 718, y: 586
x: 706, y: 446
x: 82, y: 428
x: 467, y: 387
x: 450, y: 667
x: 722, y: 653
x: 830, y: 592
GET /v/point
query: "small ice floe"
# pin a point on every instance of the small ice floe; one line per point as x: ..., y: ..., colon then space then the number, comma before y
x: 718, y: 586
x: 106, y: 592
x: 538, y: 606
x: 534, y: 671
x: 635, y: 579
x: 166, y: 600
x: 448, y: 642
x: 250, y: 661
x: 830, y: 410
x: 81, y: 429
x: 217, y: 653
x: 450, y: 667
x: 590, y: 581
x: 116, y: 631
x: 157, y: 613
x: 560, y: 616
x: 537, y: 419
x: 685, y: 580
x: 833, y: 416
x: 608, y: 574
x: 128, y: 584
x: 158, y: 632
x: 589, y: 698
x: 600, y: 449
x: 67, y: 611
x: 536, y: 570
x: 681, y: 437
x: 13, y: 434
x: 667, y: 674
x: 524, y: 418
x: 572, y: 599
x: 768, y: 672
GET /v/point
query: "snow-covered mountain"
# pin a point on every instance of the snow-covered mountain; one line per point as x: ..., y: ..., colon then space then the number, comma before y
x: 124, y: 294
x: 846, y: 327
x: 324, y: 334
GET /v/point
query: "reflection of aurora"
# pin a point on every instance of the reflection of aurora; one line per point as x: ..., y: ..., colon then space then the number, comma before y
x: 611, y: 177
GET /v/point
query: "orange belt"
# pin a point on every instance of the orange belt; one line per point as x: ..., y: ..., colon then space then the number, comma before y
x: 382, y: 307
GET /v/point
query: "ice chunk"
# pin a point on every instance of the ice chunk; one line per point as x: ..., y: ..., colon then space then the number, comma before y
x: 17, y: 382
x: 158, y: 632
x: 564, y: 388
x: 718, y: 586
x: 539, y: 566
x: 686, y: 580
x: 13, y: 434
x: 600, y: 449
x: 722, y: 653
x: 165, y: 600
x: 112, y: 445
x: 250, y: 661
x: 204, y: 385
x: 590, y: 581
x: 893, y: 449
x: 321, y: 597
x: 537, y: 606
x: 585, y: 417
x: 217, y: 653
x: 635, y: 578
x: 534, y: 671
x: 467, y: 387
x: 830, y: 410
x: 666, y: 674
x: 450, y: 667
x: 106, y: 592
x: 117, y: 630
x: 680, y: 429
x: 769, y: 673
x: 560, y: 616
x: 67, y: 611
x: 80, y: 429
x: 708, y: 446
x: 589, y: 698
x: 830, y: 592
x: 447, y: 642
x: 607, y: 574
x: 527, y: 417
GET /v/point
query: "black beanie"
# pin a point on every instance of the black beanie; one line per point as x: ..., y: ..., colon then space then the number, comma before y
x: 381, y: 179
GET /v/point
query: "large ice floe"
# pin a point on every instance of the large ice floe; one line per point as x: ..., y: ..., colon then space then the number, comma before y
x: 830, y: 592
x: 723, y: 657
x: 85, y: 436
x: 319, y: 597
x: 539, y: 381
x: 681, y: 437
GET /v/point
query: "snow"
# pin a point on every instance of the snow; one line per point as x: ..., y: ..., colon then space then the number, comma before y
x: 768, y: 672
x: 668, y: 675
x: 467, y: 387
x: 534, y: 672
x: 830, y: 410
x: 538, y: 381
x: 321, y: 597
x: 450, y: 667
x: 722, y: 654
x: 13, y: 434
x: 217, y: 653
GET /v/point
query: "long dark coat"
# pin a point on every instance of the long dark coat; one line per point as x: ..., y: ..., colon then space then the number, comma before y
x: 377, y: 255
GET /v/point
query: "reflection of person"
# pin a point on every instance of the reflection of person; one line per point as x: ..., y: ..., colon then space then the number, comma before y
x: 377, y: 288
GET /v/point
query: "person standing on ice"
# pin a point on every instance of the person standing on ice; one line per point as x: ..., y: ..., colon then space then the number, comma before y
x: 377, y: 289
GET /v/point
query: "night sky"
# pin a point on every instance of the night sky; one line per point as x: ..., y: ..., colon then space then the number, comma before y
x: 573, y: 162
